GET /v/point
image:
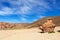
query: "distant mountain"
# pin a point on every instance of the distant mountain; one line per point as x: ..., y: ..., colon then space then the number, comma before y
x: 4, y: 25
x: 56, y: 20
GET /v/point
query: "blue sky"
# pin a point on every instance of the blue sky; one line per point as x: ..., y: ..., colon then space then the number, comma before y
x: 27, y: 11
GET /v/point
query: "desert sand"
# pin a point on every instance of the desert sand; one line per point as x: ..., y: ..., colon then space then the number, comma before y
x: 29, y: 34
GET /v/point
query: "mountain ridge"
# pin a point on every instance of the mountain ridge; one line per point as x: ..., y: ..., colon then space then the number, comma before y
x: 56, y: 20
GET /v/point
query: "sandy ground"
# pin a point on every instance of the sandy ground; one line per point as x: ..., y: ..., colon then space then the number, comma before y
x: 29, y: 34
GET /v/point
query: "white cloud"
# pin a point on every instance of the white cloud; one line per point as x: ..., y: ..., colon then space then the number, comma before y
x: 24, y: 6
x: 27, y: 7
x: 23, y: 20
x: 41, y: 16
x: 24, y: 10
x: 6, y: 11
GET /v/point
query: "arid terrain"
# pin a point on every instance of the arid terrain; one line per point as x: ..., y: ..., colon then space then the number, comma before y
x: 33, y: 33
x: 29, y: 34
x: 6, y: 25
x: 56, y: 20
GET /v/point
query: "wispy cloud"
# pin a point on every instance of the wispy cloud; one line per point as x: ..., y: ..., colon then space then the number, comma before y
x: 26, y: 9
x: 24, y: 6
x: 6, y: 11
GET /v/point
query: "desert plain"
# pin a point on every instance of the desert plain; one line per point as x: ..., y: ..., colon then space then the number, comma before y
x: 29, y: 34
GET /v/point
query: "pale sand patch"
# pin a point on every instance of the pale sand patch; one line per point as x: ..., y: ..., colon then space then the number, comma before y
x: 28, y: 34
